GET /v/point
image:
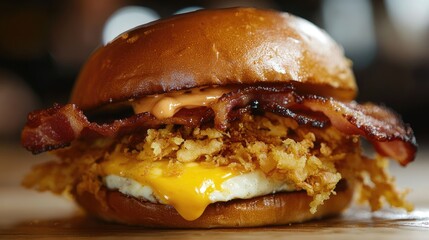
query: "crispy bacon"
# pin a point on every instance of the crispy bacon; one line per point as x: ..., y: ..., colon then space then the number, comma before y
x: 279, y: 100
x: 60, y: 125
x: 380, y: 125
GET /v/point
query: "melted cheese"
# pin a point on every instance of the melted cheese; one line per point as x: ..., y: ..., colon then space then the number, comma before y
x: 192, y: 190
x: 166, y: 105
x: 188, y: 193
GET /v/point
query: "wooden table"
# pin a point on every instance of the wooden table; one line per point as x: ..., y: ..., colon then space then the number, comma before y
x: 28, y: 214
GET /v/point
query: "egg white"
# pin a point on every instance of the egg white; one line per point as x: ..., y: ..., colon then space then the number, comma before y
x: 244, y: 186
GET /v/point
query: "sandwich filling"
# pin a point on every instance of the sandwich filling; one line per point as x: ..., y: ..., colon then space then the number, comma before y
x: 195, y: 188
x: 190, y: 167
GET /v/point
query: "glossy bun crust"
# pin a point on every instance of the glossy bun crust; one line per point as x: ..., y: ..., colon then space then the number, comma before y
x: 213, y: 47
x: 273, y: 209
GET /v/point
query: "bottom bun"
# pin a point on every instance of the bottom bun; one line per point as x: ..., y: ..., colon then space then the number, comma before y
x: 273, y: 209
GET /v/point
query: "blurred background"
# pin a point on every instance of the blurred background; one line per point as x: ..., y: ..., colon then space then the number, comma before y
x: 43, y: 44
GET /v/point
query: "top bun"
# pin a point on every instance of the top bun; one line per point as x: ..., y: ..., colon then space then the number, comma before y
x: 214, y: 47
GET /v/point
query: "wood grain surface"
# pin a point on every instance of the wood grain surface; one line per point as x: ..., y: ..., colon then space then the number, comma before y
x: 28, y: 214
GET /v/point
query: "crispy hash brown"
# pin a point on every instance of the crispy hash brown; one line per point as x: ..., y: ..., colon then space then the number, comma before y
x: 310, y: 159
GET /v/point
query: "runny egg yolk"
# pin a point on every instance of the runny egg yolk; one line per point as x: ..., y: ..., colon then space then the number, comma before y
x: 188, y: 192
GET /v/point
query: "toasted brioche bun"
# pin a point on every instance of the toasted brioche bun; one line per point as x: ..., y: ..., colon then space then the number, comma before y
x: 273, y: 209
x: 214, y: 47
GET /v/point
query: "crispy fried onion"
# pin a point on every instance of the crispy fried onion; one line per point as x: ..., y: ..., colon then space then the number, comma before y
x: 58, y: 126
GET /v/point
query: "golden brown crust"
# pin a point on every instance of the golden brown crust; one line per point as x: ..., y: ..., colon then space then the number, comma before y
x: 213, y: 47
x: 273, y: 209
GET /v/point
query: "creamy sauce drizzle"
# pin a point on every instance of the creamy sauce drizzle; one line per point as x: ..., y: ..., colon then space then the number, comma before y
x: 166, y: 105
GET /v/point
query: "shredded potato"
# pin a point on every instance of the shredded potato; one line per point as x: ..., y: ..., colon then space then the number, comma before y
x: 310, y: 159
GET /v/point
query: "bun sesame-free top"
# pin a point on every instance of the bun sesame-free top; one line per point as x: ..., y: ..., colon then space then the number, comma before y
x: 214, y: 47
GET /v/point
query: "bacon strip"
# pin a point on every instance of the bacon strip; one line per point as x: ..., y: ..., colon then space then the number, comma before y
x: 380, y: 125
x: 60, y: 125
x: 279, y: 100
